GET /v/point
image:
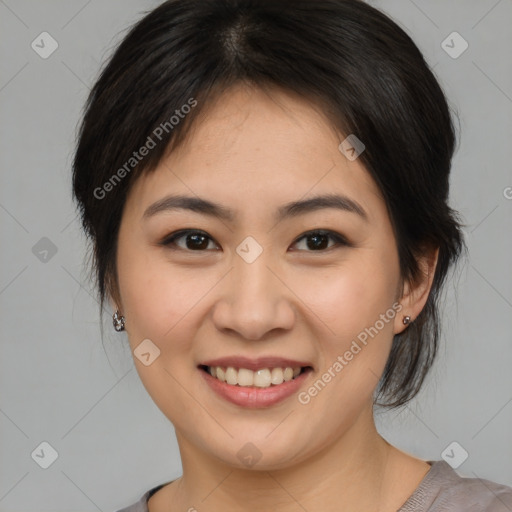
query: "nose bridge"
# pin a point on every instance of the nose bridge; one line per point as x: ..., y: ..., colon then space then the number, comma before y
x: 254, y: 301
x: 253, y: 281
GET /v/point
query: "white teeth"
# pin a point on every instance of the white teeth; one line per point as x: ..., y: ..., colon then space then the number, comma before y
x: 245, y: 377
x: 288, y: 374
x: 263, y: 378
x: 231, y: 376
x: 277, y: 376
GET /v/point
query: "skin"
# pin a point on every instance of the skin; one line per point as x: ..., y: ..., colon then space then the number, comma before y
x: 254, y: 152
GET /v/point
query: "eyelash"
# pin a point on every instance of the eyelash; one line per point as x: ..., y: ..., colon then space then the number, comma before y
x: 169, y: 240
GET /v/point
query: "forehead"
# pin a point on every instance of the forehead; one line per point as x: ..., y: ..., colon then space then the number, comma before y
x: 251, y: 149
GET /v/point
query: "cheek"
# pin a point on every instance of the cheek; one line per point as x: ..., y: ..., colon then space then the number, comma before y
x: 354, y: 305
x: 145, y: 290
x: 160, y: 301
x: 348, y: 298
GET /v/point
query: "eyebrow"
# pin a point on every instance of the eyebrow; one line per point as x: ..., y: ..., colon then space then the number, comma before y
x: 289, y: 210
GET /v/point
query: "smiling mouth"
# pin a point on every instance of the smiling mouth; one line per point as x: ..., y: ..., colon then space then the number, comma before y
x: 263, y: 378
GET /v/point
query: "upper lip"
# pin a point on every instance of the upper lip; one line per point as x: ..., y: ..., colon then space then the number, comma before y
x: 255, y: 364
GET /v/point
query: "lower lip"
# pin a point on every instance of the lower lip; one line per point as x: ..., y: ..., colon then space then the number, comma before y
x: 254, y: 397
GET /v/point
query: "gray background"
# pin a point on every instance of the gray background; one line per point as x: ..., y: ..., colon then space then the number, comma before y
x: 61, y: 385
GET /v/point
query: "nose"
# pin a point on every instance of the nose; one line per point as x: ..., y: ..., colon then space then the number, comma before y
x: 254, y: 301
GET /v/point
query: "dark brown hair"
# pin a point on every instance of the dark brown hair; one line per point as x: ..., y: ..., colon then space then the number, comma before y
x: 353, y: 61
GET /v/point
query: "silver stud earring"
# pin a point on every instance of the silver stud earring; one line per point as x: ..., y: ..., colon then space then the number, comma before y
x: 406, y: 320
x: 118, y: 321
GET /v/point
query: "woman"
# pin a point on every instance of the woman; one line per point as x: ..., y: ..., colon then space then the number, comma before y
x: 265, y: 187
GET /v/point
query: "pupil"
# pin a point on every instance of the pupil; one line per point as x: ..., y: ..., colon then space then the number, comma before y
x: 196, y: 246
x: 318, y: 245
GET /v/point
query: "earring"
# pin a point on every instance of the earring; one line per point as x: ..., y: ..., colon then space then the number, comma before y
x: 118, y: 321
x: 406, y: 320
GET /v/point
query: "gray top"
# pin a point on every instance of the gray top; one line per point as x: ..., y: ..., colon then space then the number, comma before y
x: 441, y: 490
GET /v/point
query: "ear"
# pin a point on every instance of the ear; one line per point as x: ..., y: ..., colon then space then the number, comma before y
x: 415, y: 294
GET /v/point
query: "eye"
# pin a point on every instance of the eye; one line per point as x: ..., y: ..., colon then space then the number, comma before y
x: 318, y: 240
x: 194, y: 240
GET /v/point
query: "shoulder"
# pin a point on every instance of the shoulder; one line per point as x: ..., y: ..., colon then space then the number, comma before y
x: 142, y: 504
x: 479, y: 494
x: 443, y: 489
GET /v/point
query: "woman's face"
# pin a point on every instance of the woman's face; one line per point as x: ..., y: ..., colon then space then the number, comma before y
x: 254, y: 284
